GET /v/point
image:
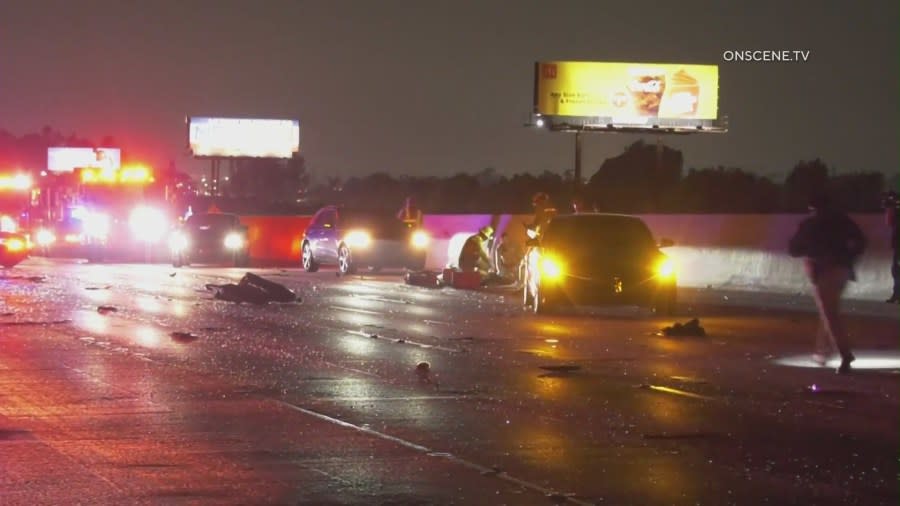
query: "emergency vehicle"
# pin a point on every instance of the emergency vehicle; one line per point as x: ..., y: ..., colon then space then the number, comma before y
x: 15, y: 201
x: 104, y: 214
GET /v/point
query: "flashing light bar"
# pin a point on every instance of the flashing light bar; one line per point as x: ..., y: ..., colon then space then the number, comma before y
x: 126, y: 175
x: 19, y: 182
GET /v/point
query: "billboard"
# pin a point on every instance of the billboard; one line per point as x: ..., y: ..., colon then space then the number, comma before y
x: 69, y: 159
x: 627, y: 93
x: 239, y: 137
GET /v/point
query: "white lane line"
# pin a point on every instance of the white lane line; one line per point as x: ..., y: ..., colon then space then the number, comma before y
x: 431, y: 453
x: 355, y: 310
x: 403, y: 340
x: 407, y: 398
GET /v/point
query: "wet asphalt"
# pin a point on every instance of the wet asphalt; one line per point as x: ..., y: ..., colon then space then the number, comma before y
x: 167, y: 396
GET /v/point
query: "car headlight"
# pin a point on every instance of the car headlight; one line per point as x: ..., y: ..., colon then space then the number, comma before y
x: 178, y: 242
x: 45, y: 237
x: 665, y: 268
x: 96, y: 225
x: 234, y: 241
x: 550, y: 268
x: 14, y: 244
x: 358, y: 239
x: 420, y: 240
x: 148, y: 224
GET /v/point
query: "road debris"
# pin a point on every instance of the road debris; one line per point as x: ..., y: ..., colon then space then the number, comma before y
x: 106, y: 309
x: 253, y: 289
x: 690, y: 329
x: 183, y: 337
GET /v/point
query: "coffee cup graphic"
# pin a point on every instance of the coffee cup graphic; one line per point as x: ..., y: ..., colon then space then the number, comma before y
x: 647, y: 89
x: 684, y: 95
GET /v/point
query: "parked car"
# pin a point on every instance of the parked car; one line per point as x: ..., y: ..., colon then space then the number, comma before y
x: 353, y: 239
x: 598, y: 259
x: 13, y: 248
x: 210, y: 238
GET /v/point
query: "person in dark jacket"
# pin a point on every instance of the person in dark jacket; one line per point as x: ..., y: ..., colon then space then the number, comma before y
x: 830, y: 243
x: 891, y: 204
x: 475, y: 255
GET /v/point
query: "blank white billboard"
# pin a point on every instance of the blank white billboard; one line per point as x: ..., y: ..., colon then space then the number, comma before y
x: 238, y: 137
x: 69, y: 159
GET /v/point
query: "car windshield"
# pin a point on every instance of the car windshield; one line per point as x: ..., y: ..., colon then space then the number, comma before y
x: 598, y: 232
x: 214, y: 221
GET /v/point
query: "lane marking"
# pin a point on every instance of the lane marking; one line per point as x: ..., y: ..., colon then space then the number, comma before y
x: 431, y: 453
x: 403, y: 340
x: 675, y: 391
x: 355, y: 310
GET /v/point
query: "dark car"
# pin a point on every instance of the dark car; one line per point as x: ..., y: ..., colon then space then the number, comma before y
x: 352, y: 239
x: 13, y: 248
x: 596, y: 259
x: 209, y: 238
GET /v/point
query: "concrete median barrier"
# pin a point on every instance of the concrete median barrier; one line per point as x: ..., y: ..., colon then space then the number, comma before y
x: 741, y: 252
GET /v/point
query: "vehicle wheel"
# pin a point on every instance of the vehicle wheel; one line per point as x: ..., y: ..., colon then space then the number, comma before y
x: 543, y: 304
x: 345, y: 262
x: 309, y: 263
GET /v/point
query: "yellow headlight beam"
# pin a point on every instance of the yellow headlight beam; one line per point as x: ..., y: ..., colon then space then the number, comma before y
x: 358, y: 239
x: 665, y: 268
x: 550, y: 268
x: 420, y: 240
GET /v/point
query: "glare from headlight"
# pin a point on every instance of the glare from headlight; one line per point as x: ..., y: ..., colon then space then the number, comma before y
x: 665, y: 268
x: 178, y: 242
x: 14, y: 244
x: 358, y: 239
x: 147, y: 224
x: 420, y: 240
x: 234, y: 241
x: 45, y: 237
x: 96, y: 225
x: 7, y: 224
x: 550, y: 268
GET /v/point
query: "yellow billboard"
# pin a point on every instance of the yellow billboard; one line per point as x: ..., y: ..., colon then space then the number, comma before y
x: 627, y: 92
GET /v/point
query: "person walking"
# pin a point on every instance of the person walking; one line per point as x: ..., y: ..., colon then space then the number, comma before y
x: 830, y: 242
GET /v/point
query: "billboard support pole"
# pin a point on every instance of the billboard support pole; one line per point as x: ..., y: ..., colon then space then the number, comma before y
x: 577, y: 175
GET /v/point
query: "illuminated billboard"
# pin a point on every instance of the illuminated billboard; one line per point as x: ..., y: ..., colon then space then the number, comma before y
x: 627, y: 93
x: 238, y: 138
x: 69, y: 159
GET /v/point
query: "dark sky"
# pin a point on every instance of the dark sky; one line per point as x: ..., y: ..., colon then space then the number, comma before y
x: 437, y: 87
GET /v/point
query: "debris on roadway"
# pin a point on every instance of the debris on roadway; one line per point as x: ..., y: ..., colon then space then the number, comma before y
x: 183, y: 337
x: 106, y: 309
x: 254, y: 290
x: 690, y: 329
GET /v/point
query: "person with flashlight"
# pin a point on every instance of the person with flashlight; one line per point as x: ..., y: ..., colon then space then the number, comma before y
x: 830, y: 243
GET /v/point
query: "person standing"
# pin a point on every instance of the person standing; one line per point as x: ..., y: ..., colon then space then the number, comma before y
x: 891, y: 205
x: 410, y: 214
x: 830, y: 243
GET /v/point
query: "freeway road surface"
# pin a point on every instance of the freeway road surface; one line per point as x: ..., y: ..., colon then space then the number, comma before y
x: 320, y: 402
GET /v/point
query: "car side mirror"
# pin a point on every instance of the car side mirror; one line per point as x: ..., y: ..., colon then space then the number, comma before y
x: 666, y: 243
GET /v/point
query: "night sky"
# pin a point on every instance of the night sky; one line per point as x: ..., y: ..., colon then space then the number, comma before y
x: 438, y: 87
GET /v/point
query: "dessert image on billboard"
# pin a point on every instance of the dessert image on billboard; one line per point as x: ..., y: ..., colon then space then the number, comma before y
x: 683, y: 96
x: 647, y: 87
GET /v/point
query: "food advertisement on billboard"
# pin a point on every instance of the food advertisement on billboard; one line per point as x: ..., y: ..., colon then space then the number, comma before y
x: 68, y: 159
x: 240, y: 137
x: 627, y: 92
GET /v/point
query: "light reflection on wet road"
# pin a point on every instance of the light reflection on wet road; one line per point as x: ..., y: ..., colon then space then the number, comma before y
x: 641, y: 419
